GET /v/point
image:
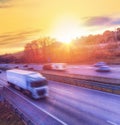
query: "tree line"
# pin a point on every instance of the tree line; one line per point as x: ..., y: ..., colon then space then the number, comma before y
x: 86, y: 49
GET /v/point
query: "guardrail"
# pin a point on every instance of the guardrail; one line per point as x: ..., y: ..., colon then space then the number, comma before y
x: 19, y: 113
x: 11, y: 102
x: 105, y: 84
x: 92, y: 82
x: 1, y: 93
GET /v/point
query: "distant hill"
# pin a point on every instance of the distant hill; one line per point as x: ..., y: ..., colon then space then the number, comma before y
x: 11, y: 58
x: 18, y: 54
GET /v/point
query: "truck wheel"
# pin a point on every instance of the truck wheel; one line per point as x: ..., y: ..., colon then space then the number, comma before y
x: 30, y: 95
x: 22, y: 90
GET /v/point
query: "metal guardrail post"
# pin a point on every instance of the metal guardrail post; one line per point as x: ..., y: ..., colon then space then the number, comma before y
x: 1, y: 94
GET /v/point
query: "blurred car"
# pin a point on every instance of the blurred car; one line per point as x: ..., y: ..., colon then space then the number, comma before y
x: 30, y: 68
x: 99, y: 64
x: 55, y: 66
x: 25, y: 65
x: 103, y: 68
x: 16, y: 66
x: 47, y: 67
x: 59, y: 66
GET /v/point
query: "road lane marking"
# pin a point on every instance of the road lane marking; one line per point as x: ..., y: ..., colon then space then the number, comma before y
x: 54, y: 117
x: 3, y: 83
x: 112, y: 123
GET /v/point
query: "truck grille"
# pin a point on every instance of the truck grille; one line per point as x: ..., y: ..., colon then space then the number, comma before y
x: 41, y: 92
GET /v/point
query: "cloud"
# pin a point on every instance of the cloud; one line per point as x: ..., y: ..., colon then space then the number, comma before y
x: 116, y: 21
x: 97, y: 21
x: 5, y: 3
x: 102, y: 21
x: 17, y: 39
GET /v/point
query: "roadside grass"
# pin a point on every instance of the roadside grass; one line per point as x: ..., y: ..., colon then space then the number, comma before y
x: 8, y: 117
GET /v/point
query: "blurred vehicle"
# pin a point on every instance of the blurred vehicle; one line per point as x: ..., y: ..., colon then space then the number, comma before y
x: 33, y: 83
x: 16, y: 66
x: 25, y: 65
x: 103, y: 68
x: 59, y: 66
x: 47, y: 66
x: 98, y: 64
x: 55, y: 66
x: 30, y: 68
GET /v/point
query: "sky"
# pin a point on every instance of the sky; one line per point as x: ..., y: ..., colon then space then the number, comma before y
x: 24, y: 21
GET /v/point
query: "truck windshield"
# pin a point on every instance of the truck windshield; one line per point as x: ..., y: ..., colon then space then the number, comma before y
x: 38, y: 83
x: 35, y: 75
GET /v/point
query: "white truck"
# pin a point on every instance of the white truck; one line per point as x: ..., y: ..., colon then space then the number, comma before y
x: 30, y: 82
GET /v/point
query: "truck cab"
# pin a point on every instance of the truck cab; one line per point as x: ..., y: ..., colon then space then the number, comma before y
x: 38, y: 85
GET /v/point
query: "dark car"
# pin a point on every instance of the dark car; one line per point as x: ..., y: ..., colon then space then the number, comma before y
x: 25, y: 65
x: 16, y: 67
x: 30, y: 68
x: 104, y: 68
x: 47, y: 66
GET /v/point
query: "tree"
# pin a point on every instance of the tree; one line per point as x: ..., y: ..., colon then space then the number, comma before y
x: 118, y: 34
x: 38, y: 50
x: 44, y: 44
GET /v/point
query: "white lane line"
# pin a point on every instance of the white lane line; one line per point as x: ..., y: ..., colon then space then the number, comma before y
x: 54, y: 117
x: 3, y: 83
x: 112, y: 123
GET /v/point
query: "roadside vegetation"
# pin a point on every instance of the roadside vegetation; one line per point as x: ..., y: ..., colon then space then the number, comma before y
x: 83, y: 50
x: 8, y: 117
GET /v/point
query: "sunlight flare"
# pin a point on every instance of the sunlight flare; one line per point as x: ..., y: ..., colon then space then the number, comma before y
x: 66, y: 29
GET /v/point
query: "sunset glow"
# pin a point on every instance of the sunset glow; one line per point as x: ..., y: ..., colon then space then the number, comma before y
x: 60, y: 19
x: 65, y: 29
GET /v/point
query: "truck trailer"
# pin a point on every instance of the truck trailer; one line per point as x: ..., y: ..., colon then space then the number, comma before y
x: 31, y: 82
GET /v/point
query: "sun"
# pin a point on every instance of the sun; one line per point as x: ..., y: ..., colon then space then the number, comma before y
x: 66, y: 29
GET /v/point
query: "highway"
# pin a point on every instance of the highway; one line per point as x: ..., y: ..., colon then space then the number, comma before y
x: 90, y: 71
x: 76, y: 69
x: 72, y: 105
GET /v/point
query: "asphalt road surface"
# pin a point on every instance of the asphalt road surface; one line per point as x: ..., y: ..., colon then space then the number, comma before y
x: 78, y: 106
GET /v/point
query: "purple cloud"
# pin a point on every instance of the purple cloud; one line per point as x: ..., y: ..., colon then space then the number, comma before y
x: 116, y: 21
x: 97, y: 21
x: 101, y: 21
